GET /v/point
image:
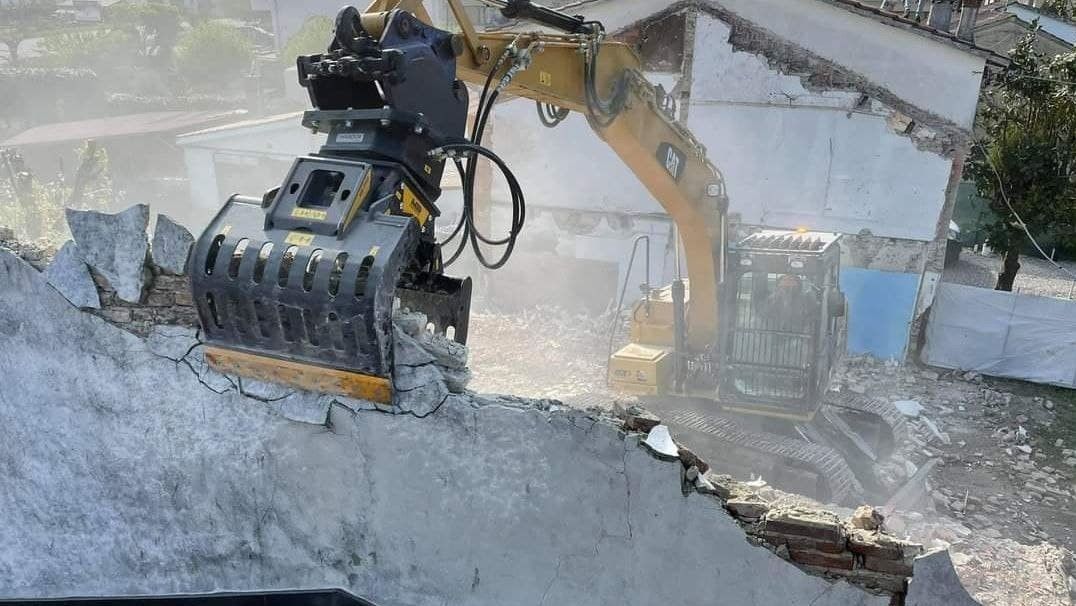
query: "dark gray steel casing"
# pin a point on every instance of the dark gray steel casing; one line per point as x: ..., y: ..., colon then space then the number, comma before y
x: 339, y: 319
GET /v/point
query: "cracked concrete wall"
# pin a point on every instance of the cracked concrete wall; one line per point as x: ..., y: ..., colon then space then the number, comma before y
x: 123, y: 471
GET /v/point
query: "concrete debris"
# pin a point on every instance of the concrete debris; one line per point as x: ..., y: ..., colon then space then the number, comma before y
x: 69, y: 275
x: 171, y: 245
x: 943, y: 437
x: 115, y: 246
x: 690, y: 459
x: 908, y: 408
x: 639, y: 419
x: 660, y: 442
x: 747, y: 508
x: 867, y: 518
x: 935, y: 583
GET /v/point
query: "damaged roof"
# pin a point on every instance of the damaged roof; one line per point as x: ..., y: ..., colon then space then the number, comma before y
x: 860, y: 8
x: 119, y: 126
x: 922, y: 29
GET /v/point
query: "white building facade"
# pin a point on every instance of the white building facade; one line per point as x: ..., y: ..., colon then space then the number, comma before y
x: 825, y: 114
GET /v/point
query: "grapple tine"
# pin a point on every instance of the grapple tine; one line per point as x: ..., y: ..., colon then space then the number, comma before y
x: 315, y: 299
x: 445, y: 300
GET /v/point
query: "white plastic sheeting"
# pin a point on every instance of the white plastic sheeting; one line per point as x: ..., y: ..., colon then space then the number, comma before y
x: 1003, y: 334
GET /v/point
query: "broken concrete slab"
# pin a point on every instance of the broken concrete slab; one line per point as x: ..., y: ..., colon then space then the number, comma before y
x: 935, y: 583
x: 168, y: 486
x: 70, y: 275
x: 659, y: 441
x: 114, y: 245
x: 171, y: 245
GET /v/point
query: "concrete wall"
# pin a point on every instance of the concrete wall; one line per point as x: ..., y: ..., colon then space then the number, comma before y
x: 127, y: 468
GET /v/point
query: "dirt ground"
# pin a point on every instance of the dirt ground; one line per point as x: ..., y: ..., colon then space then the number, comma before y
x: 1000, y: 494
x: 1036, y: 276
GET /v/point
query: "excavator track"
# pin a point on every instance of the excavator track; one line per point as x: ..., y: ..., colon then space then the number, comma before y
x: 870, y: 416
x: 835, y: 481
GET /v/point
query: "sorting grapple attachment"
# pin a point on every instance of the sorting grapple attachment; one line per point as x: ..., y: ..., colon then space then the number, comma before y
x: 299, y: 287
x: 301, y: 296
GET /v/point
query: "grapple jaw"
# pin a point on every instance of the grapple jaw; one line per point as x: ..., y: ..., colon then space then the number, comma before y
x: 299, y: 287
x: 299, y: 296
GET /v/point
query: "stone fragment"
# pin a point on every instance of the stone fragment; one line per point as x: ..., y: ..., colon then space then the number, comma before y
x: 659, y: 441
x: 908, y: 408
x: 408, y: 352
x: 115, y: 246
x: 867, y: 518
x: 446, y: 352
x: 411, y: 322
x: 724, y: 486
x: 840, y: 561
x: 747, y: 508
x: 940, y: 435
x: 171, y: 245
x: 704, y: 486
x: 691, y: 459
x: 70, y: 276
x: 874, y: 544
x: 691, y: 473
x: 638, y: 419
x: 934, y: 582
x: 456, y: 379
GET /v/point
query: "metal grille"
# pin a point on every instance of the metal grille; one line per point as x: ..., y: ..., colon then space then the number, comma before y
x: 772, y: 342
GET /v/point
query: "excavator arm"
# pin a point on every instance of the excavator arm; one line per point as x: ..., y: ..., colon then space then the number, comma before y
x: 572, y: 70
x: 299, y: 286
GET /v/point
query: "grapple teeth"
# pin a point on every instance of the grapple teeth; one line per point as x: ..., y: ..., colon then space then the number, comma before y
x: 446, y: 301
x: 301, y: 296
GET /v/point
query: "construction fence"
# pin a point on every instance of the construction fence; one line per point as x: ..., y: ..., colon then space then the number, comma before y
x: 1003, y: 334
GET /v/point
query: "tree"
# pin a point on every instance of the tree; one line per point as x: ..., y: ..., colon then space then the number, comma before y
x: 1059, y: 8
x: 1026, y: 163
x: 154, y: 25
x: 22, y: 20
x: 213, y: 55
x: 312, y: 38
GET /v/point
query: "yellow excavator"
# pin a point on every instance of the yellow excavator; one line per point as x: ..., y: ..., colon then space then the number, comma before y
x: 299, y: 286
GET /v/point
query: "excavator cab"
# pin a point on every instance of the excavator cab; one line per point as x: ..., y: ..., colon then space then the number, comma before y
x: 782, y: 326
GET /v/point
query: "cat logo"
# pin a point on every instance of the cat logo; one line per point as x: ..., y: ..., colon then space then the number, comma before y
x: 673, y: 160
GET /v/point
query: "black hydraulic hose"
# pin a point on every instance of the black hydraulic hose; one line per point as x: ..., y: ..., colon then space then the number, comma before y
x: 519, y: 208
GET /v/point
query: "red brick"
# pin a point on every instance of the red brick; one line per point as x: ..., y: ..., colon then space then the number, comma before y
x: 897, y: 567
x: 840, y: 561
x: 795, y: 542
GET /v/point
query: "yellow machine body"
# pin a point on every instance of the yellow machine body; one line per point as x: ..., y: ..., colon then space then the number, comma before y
x: 642, y: 370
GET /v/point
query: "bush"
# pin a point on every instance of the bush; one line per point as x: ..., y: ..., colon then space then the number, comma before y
x: 312, y: 38
x: 213, y: 55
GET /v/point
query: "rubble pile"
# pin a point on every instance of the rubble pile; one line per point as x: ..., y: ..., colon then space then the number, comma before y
x: 1000, y: 488
x: 37, y: 253
x: 541, y: 353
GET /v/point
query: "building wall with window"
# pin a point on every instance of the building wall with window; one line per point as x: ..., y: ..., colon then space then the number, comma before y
x: 869, y: 143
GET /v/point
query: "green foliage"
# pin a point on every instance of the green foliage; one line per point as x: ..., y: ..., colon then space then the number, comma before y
x: 98, y: 49
x: 312, y: 38
x: 35, y: 208
x: 154, y: 26
x: 1028, y: 157
x: 25, y: 19
x: 1059, y: 8
x: 212, y: 55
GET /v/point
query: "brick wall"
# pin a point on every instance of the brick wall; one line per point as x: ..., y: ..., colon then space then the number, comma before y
x: 166, y: 300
